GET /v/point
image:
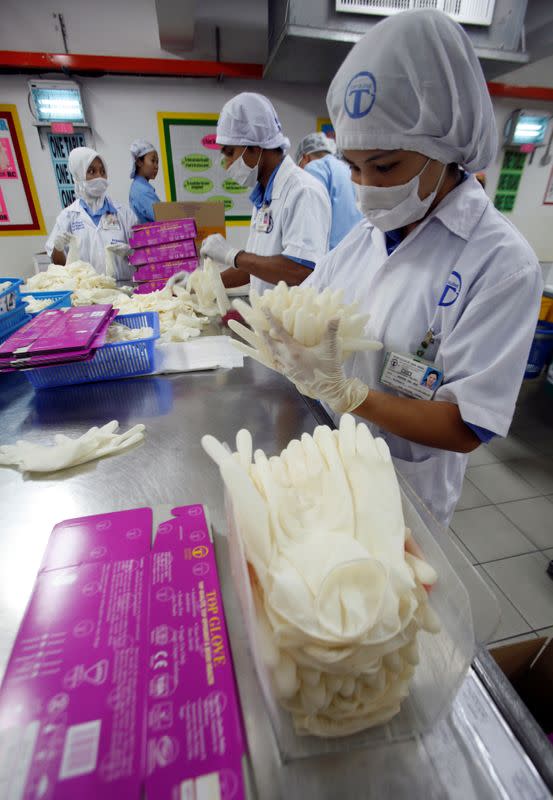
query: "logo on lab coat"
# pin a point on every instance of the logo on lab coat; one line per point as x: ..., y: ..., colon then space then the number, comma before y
x: 452, y: 289
x: 360, y: 95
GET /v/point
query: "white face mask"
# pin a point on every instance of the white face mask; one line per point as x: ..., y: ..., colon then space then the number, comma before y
x: 241, y: 173
x: 96, y: 187
x: 392, y: 207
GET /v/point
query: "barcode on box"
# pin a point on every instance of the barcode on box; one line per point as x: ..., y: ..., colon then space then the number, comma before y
x: 80, y: 752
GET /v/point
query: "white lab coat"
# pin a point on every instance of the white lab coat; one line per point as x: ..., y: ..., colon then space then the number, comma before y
x: 300, y: 215
x: 93, y: 240
x: 470, y: 275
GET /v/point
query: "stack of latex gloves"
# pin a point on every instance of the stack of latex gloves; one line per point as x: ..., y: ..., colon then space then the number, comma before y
x: 338, y: 599
x: 73, y: 277
x: 34, y: 305
x: 307, y: 336
x: 122, y: 333
x: 67, y: 452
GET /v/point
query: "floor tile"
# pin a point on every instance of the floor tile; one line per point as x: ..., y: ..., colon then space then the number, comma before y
x: 538, y: 471
x: 544, y: 632
x: 509, y: 448
x: 524, y: 581
x: 500, y: 483
x: 466, y: 552
x: 534, y: 517
x: 512, y: 623
x: 471, y: 497
x: 482, y: 455
x: 488, y: 534
x: 523, y: 637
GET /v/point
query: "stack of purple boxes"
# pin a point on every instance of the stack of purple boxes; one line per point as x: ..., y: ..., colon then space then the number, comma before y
x: 160, y: 250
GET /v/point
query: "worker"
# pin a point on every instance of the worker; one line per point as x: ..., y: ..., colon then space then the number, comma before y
x: 144, y: 168
x: 290, y: 223
x: 447, y: 280
x: 96, y: 220
x: 316, y: 155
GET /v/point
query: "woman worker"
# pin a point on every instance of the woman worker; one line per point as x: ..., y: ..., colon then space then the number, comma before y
x: 442, y: 273
x: 96, y: 220
x: 144, y: 167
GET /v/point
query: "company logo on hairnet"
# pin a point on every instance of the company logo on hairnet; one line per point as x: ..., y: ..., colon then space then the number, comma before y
x: 452, y: 289
x: 360, y: 95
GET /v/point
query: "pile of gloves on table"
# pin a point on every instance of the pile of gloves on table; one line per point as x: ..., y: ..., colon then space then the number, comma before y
x: 339, y: 599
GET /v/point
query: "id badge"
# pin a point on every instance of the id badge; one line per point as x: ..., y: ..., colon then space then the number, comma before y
x: 411, y: 376
x: 264, y: 221
x: 110, y: 222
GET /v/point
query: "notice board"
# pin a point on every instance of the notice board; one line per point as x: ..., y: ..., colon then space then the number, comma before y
x: 19, y: 207
x: 192, y: 165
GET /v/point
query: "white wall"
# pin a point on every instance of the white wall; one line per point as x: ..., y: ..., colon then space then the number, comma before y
x: 122, y: 109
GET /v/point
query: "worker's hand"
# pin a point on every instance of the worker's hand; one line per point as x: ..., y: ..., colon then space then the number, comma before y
x: 62, y: 241
x: 120, y: 249
x: 217, y: 248
x: 316, y: 371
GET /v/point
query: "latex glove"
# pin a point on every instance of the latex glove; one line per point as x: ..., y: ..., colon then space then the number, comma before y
x: 217, y: 248
x: 62, y: 241
x: 208, y: 287
x: 67, y: 452
x: 316, y: 371
x: 120, y: 249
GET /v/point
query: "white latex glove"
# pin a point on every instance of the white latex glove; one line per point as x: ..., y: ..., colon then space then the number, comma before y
x: 120, y: 249
x: 217, y: 248
x: 67, y: 452
x: 62, y: 241
x: 316, y: 371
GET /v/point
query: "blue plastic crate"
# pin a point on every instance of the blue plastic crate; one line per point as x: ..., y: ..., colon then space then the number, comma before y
x: 12, y: 321
x: 59, y: 300
x: 118, y: 360
x: 10, y: 297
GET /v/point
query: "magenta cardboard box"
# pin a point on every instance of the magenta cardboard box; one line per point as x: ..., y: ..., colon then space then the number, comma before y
x: 164, y: 270
x: 120, y: 681
x: 175, y: 251
x: 160, y: 232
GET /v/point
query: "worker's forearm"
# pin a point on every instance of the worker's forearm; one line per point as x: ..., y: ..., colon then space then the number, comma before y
x: 58, y: 257
x: 272, y: 268
x: 234, y: 277
x: 428, y: 422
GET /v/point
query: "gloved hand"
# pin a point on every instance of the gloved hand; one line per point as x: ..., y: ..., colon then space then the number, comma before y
x: 217, y: 248
x: 120, y: 249
x: 316, y: 371
x: 62, y: 241
x: 66, y: 452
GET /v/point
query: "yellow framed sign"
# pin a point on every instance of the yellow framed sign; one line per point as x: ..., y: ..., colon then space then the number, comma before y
x: 20, y: 212
x: 324, y: 125
x: 192, y: 165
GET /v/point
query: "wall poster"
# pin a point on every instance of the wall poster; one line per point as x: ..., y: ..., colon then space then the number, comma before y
x: 19, y: 207
x: 192, y: 165
x: 324, y: 125
x: 60, y: 145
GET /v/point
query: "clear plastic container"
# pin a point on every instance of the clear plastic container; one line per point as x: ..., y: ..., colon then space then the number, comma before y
x: 444, y: 657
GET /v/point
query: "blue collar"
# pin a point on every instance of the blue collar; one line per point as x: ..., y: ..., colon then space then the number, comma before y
x: 263, y: 198
x: 141, y: 179
x: 106, y: 208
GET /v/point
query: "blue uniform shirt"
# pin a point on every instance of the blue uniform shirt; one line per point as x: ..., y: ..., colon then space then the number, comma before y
x: 335, y: 176
x: 142, y: 197
x: 107, y: 207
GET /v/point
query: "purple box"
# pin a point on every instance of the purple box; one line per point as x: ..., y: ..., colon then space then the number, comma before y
x: 175, y: 251
x: 120, y: 680
x: 161, y: 232
x: 164, y: 270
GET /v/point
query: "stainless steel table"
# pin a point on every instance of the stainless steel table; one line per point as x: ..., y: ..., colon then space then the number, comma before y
x: 473, y: 753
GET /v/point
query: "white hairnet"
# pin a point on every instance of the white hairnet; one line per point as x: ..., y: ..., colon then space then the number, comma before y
x: 80, y: 158
x: 315, y: 143
x: 250, y: 119
x: 413, y: 82
x: 139, y: 148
